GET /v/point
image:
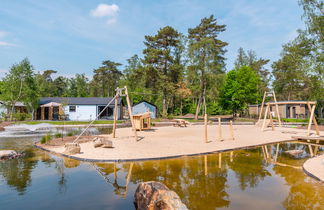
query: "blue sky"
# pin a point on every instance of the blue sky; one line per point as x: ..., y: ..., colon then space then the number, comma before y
x: 73, y: 36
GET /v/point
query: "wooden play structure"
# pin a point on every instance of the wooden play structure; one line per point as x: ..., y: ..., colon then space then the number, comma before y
x: 310, y: 104
x: 119, y: 93
x: 142, y: 121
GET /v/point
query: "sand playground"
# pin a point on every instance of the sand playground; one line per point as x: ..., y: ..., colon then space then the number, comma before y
x: 170, y: 142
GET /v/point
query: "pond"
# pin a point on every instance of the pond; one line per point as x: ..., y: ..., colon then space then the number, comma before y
x: 242, y: 179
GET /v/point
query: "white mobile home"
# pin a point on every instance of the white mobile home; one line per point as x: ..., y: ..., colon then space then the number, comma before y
x: 78, y: 108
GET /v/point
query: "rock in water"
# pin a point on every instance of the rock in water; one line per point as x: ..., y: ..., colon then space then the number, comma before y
x: 9, y: 154
x: 294, y: 152
x: 72, y: 148
x: 156, y: 196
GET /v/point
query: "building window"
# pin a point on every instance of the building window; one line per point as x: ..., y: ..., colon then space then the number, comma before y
x: 72, y: 108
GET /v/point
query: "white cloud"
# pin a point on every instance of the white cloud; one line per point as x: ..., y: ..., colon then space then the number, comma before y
x: 3, y: 34
x: 7, y: 44
x: 106, y: 10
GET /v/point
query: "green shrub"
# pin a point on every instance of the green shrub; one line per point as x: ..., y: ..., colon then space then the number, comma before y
x: 46, y: 138
x: 20, y: 116
x: 58, y: 135
x: 70, y: 133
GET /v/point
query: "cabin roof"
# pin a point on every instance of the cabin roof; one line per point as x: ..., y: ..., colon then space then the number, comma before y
x: 78, y: 100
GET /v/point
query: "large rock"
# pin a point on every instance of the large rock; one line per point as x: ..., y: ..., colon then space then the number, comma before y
x: 156, y: 196
x: 9, y: 154
x: 102, y: 142
x: 72, y: 148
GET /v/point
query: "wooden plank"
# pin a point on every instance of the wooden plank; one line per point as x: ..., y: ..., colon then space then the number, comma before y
x: 277, y: 108
x: 292, y: 102
x: 115, y: 117
x: 232, y: 130
x: 310, y: 120
x: 206, y: 134
x: 265, y: 118
x: 220, y: 137
x: 319, y: 138
x: 130, y: 113
x: 264, y: 96
x: 314, y: 120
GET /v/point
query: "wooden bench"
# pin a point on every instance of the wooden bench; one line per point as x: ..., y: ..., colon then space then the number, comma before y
x: 180, y: 123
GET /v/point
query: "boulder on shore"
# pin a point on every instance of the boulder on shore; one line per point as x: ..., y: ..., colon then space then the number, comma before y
x: 102, y: 142
x: 9, y: 154
x: 72, y: 148
x: 156, y: 196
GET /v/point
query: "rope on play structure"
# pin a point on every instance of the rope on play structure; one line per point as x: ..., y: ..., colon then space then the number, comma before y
x: 95, y: 118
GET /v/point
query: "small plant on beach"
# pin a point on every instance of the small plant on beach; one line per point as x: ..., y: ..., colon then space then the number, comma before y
x: 58, y: 135
x: 70, y: 133
x: 46, y: 138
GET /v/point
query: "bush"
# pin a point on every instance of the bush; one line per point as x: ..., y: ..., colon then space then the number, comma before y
x: 46, y: 138
x: 20, y: 116
x: 58, y: 135
x: 70, y: 133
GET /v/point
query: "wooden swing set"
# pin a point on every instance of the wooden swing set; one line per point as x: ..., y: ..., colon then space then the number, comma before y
x: 310, y: 104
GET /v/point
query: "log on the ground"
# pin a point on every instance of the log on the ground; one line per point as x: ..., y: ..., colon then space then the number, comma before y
x: 97, y: 142
x: 155, y: 195
x: 72, y: 148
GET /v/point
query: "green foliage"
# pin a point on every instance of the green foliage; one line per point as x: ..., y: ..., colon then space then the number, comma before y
x: 240, y: 89
x: 46, y: 138
x: 58, y: 135
x: 71, y: 133
x: 20, y: 116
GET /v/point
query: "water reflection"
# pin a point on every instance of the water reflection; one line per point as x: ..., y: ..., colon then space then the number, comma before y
x: 225, y: 180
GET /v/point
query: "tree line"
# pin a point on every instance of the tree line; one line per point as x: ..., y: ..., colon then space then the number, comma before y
x: 186, y: 73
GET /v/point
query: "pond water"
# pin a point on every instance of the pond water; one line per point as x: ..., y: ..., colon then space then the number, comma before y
x: 242, y: 179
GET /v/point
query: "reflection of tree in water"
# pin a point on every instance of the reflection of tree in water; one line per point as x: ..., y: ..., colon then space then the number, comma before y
x: 304, y: 193
x: 249, y: 167
x: 17, y: 172
x: 186, y: 177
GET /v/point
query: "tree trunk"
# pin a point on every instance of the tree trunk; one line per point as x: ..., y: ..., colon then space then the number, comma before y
x: 164, y: 106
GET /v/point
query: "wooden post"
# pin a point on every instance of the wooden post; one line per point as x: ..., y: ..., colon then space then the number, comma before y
x: 231, y: 156
x: 265, y: 117
x: 206, y: 134
x: 232, y: 130
x: 311, y: 150
x: 130, y: 113
x: 271, y: 120
x: 129, y: 175
x: 50, y: 113
x: 115, y: 171
x: 310, y: 120
x: 220, y: 160
x: 264, y: 154
x: 314, y: 120
x: 264, y: 96
x: 115, y: 116
x: 266, y: 151
x: 205, y: 161
x: 277, y: 152
x: 42, y: 113
x: 220, y: 137
x: 277, y: 108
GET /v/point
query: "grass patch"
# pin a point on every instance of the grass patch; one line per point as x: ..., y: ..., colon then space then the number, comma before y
x: 58, y: 135
x: 295, y: 120
x: 46, y: 138
x: 69, y: 122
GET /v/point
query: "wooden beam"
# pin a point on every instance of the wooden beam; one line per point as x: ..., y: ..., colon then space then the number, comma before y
x: 205, y: 164
x: 277, y: 108
x: 220, y: 160
x: 115, y: 117
x: 314, y: 120
x: 232, y: 130
x: 263, y: 100
x: 291, y: 102
x: 311, y: 119
x: 271, y: 120
x: 130, y: 113
x: 220, y: 137
x: 265, y: 117
x: 206, y: 134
